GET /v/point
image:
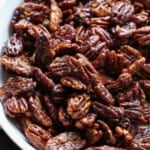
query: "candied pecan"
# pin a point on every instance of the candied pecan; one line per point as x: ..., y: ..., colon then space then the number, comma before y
x: 105, y: 147
x: 87, y: 121
x: 55, y: 16
x: 43, y: 79
x: 146, y: 114
x: 38, y: 112
x: 122, y: 82
x: 107, y: 112
x: 15, y: 106
x: 134, y: 93
x: 14, y: 46
x: 63, y: 66
x: 73, y: 82
x: 124, y: 31
x: 145, y: 71
x: 17, y: 85
x: 146, y: 3
x: 101, y: 8
x: 141, y: 35
x: 103, y: 93
x: 65, y: 33
x: 145, y: 84
x: 64, y: 118
x: 37, y: 136
x: 78, y: 106
x: 107, y: 132
x: 35, y: 13
x: 58, y: 93
x: 135, y: 67
x: 132, y: 110
x: 19, y: 65
x: 102, y: 22
x: 66, y: 141
x: 121, y: 12
x: 130, y: 54
x: 64, y: 4
x: 51, y: 109
x: 141, y: 18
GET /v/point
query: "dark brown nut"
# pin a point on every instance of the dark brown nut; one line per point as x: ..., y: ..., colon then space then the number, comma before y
x: 38, y: 112
x: 66, y: 33
x: 101, y: 8
x: 124, y: 31
x: 145, y: 72
x: 103, y: 93
x: 103, y: 34
x: 51, y: 109
x: 102, y: 22
x: 141, y: 139
x: 93, y: 136
x: 107, y: 133
x: 43, y: 79
x: 146, y: 3
x: 132, y: 110
x: 141, y: 18
x: 58, y: 93
x: 35, y: 13
x: 134, y: 93
x: 66, y: 141
x: 37, y: 136
x: 121, y: 12
x: 105, y: 147
x: 13, y: 47
x: 17, y: 85
x: 142, y: 35
x: 86, y: 121
x: 145, y: 84
x: 135, y: 67
x: 19, y: 65
x: 64, y: 118
x: 73, y: 82
x: 63, y: 66
x: 55, y: 16
x: 107, y: 112
x: 122, y: 82
x: 15, y: 106
x: 130, y: 54
x: 64, y: 4
x: 78, y: 106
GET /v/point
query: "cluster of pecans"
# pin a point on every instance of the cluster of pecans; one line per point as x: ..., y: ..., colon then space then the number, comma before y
x: 82, y: 74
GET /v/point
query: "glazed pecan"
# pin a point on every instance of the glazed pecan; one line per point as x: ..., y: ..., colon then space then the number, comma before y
x: 55, y: 16
x: 66, y: 140
x: 37, y: 136
x: 142, y: 34
x: 64, y: 4
x: 38, y: 112
x: 14, y: 46
x: 15, y: 106
x: 124, y: 31
x: 36, y: 14
x: 43, y: 79
x: 17, y: 85
x: 108, y: 112
x: 19, y: 65
x: 73, y: 83
x: 146, y: 114
x: 121, y: 12
x: 44, y: 2
x: 64, y: 118
x: 78, y: 106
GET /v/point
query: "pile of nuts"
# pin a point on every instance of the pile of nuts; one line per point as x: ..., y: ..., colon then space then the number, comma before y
x: 81, y: 74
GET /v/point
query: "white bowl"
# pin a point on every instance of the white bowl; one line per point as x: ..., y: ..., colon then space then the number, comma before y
x: 6, y: 10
